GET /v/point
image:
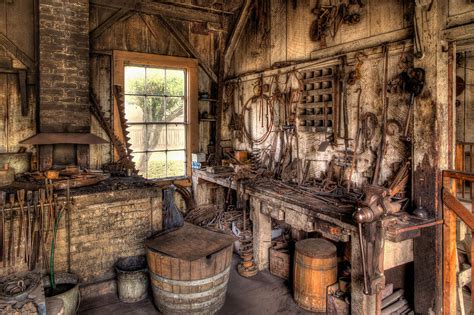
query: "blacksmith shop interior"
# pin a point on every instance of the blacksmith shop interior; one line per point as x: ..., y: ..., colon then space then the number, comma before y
x: 236, y: 157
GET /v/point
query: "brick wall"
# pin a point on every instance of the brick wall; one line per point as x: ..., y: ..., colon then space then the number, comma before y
x: 104, y: 227
x: 64, y: 65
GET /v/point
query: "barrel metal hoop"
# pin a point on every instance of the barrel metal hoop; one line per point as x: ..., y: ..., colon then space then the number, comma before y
x: 299, y: 261
x: 191, y: 295
x: 193, y: 306
x: 189, y: 282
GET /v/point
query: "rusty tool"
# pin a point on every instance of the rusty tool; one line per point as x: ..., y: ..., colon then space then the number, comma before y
x: 49, y: 215
x: 382, y: 145
x: 3, y: 201
x: 20, y: 194
x: 29, y: 200
x: 42, y: 201
x: 11, y: 236
x: 35, y: 233
x: 413, y: 82
x: 356, y: 142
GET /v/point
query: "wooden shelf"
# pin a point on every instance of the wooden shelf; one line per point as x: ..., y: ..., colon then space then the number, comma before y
x: 207, y: 100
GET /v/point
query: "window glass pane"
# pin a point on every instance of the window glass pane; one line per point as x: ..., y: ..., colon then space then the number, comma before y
x: 175, y: 82
x: 175, y: 109
x: 134, y: 80
x: 156, y: 137
x: 157, y: 165
x: 134, y: 108
x: 155, y: 81
x: 176, y: 137
x: 137, y: 136
x: 176, y: 163
x: 140, y: 162
x: 155, y: 109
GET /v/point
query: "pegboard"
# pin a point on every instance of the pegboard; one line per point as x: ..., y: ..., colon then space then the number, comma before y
x: 317, y: 110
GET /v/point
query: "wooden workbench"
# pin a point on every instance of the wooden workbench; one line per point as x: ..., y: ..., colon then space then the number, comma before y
x: 308, y: 214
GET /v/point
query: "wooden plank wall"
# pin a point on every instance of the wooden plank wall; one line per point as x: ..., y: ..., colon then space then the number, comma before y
x: 133, y: 34
x: 290, y: 23
x: 17, y: 24
x: 290, y: 42
x: 465, y: 101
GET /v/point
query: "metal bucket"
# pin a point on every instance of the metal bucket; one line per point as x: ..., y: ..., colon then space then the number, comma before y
x: 132, y: 279
x: 70, y: 295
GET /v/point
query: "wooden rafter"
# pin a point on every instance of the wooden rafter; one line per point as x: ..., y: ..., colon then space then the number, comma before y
x: 183, y: 42
x: 121, y: 15
x: 237, y: 32
x: 16, y: 52
x: 164, y: 9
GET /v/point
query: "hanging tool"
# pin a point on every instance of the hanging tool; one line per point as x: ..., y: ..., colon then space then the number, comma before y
x: 413, y: 82
x: 21, y: 200
x: 3, y: 202
x: 11, y: 236
x: 356, y: 142
x: 43, y: 216
x: 382, y: 145
x: 35, y: 236
x: 29, y: 201
x: 50, y: 214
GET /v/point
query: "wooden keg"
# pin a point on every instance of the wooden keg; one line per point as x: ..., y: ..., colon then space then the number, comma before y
x: 315, y: 269
x: 189, y: 270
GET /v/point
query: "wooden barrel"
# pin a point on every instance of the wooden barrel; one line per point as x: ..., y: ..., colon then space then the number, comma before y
x: 315, y: 269
x: 190, y: 277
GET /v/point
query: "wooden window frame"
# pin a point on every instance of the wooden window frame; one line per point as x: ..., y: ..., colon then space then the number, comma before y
x: 124, y: 58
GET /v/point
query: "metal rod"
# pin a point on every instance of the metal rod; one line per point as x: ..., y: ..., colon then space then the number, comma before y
x: 364, y: 264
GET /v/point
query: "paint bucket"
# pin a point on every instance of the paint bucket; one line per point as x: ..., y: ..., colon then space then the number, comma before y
x: 132, y: 279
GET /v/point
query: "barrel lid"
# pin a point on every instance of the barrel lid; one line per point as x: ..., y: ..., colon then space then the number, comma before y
x: 190, y: 242
x: 316, y: 247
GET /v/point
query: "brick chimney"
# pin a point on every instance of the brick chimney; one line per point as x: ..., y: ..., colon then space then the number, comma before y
x: 64, y: 116
x: 64, y: 66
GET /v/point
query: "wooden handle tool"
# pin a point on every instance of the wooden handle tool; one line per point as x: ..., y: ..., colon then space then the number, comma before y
x: 20, y: 194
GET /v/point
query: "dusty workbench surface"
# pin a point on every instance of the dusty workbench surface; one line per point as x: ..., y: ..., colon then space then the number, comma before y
x: 399, y: 227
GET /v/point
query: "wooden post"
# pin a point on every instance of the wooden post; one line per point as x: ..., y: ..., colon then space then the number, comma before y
x: 431, y: 155
x: 449, y: 255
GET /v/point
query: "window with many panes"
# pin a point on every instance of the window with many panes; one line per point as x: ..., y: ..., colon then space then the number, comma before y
x: 155, y: 108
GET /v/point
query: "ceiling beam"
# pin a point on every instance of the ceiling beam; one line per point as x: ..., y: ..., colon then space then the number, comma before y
x: 164, y: 9
x: 183, y: 42
x: 16, y: 52
x: 236, y: 34
x: 121, y: 15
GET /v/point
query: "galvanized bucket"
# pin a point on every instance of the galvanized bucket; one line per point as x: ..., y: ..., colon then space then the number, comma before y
x: 132, y: 279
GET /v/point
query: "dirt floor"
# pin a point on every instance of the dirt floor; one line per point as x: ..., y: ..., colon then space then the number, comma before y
x: 261, y: 294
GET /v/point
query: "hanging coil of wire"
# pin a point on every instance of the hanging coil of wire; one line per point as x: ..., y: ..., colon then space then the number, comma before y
x: 265, y: 105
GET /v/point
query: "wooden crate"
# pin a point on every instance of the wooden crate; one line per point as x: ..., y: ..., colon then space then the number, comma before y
x: 280, y: 263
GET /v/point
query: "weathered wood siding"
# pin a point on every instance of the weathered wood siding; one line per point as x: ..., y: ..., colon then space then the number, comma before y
x: 17, y: 25
x: 289, y: 41
x: 140, y: 33
x: 288, y: 32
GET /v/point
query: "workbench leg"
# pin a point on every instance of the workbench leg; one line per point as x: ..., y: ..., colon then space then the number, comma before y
x: 206, y: 192
x: 262, y: 234
x: 360, y: 303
